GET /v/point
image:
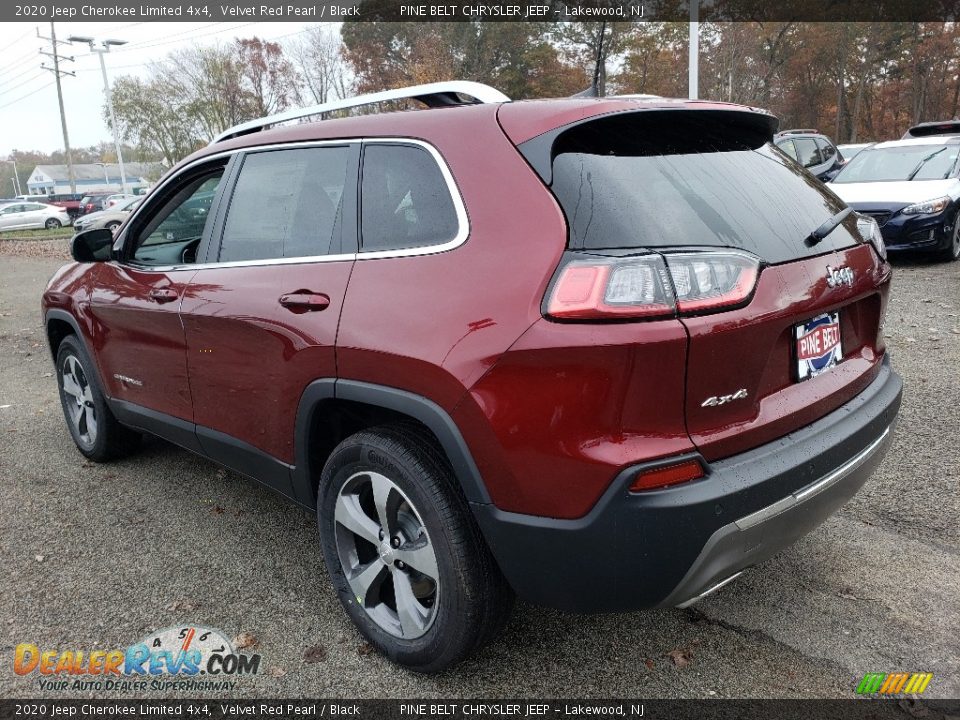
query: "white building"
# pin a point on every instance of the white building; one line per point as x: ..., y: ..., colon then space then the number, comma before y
x: 91, y: 178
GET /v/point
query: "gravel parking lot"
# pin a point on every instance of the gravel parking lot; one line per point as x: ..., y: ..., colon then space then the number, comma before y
x: 97, y: 556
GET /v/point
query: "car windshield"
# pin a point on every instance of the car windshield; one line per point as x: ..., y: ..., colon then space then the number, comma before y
x: 900, y: 162
x: 128, y: 204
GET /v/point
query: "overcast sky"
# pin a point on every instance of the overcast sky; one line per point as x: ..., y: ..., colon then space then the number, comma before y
x: 29, y: 116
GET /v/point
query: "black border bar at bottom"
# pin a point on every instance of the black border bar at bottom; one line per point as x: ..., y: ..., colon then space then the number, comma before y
x: 416, y: 709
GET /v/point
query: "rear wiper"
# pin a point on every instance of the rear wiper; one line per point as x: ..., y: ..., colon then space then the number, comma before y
x: 913, y: 173
x: 828, y: 227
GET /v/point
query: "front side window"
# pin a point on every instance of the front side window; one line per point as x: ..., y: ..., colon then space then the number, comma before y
x: 171, y: 234
x: 405, y: 201
x: 287, y: 204
x: 826, y: 149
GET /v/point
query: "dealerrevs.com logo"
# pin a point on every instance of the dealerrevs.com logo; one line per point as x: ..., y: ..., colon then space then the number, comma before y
x: 182, y: 658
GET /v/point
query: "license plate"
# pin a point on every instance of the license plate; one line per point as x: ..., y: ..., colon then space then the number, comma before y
x: 818, y: 345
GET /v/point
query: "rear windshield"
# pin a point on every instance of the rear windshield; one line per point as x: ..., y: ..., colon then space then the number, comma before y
x: 904, y: 162
x: 660, y: 187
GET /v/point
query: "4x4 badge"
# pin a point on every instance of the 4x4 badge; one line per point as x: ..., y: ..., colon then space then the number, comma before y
x: 839, y: 276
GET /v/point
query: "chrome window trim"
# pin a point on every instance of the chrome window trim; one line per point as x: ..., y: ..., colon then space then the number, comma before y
x: 817, y: 486
x: 463, y: 220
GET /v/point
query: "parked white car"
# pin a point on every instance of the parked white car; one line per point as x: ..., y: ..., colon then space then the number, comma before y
x: 24, y: 215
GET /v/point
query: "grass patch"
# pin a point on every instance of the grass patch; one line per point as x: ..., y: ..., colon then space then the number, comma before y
x: 40, y: 234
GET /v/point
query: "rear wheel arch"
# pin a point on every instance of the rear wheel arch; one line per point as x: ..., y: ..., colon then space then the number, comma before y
x: 331, y: 410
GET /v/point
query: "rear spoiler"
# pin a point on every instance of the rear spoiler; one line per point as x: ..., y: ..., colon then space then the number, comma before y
x: 646, y: 131
x: 928, y: 129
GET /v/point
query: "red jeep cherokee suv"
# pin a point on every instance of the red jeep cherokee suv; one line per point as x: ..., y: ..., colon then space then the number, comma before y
x: 601, y: 353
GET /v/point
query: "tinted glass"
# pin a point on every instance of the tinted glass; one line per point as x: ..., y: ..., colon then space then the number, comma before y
x: 826, y: 149
x: 788, y: 148
x: 172, y: 234
x: 287, y: 203
x: 405, y: 201
x: 906, y: 162
x: 755, y: 200
x: 807, y: 152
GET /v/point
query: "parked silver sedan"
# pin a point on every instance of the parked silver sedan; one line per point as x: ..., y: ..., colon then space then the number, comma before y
x: 24, y: 215
x: 111, y: 218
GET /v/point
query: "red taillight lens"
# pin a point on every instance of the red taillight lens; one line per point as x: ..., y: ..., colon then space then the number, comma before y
x: 668, y: 475
x: 651, y: 286
x: 611, y: 288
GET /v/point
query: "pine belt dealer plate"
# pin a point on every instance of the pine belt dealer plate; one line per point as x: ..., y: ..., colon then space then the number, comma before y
x: 818, y: 345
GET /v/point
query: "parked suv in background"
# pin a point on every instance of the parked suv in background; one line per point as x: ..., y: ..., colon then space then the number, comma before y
x: 602, y: 353
x: 93, y: 203
x: 815, y: 151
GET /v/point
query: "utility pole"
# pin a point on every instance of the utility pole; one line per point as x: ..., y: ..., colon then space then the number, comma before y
x: 57, y: 72
x: 694, y: 54
x: 102, y: 48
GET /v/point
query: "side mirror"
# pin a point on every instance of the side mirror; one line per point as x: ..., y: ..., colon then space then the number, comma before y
x: 92, y: 245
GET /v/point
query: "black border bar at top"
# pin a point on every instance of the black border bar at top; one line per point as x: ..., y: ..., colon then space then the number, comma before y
x: 483, y: 10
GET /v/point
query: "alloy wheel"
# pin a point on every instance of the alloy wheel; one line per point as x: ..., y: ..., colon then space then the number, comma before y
x: 386, y: 555
x: 78, y: 400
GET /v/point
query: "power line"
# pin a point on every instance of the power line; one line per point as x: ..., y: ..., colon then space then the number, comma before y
x: 21, y: 84
x: 24, y: 97
x: 22, y: 61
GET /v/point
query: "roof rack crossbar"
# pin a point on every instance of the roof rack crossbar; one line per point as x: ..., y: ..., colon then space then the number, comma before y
x: 437, y: 94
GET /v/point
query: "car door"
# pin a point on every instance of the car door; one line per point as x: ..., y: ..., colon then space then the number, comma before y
x: 135, y: 301
x: 11, y: 216
x: 261, y: 314
x: 35, y: 215
x: 808, y: 155
x: 831, y: 159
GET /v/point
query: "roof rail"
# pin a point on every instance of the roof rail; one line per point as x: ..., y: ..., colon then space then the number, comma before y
x: 800, y: 131
x: 438, y: 94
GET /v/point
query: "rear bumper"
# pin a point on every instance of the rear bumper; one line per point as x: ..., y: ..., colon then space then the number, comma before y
x: 670, y: 547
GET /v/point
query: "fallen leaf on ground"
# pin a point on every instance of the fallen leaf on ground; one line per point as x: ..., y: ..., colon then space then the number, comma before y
x: 217, y: 510
x: 276, y: 672
x: 245, y: 640
x: 365, y: 649
x: 649, y: 663
x: 183, y: 605
x: 314, y: 654
x: 681, y: 657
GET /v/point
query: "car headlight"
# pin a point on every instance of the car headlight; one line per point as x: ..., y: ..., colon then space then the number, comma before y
x: 870, y: 232
x: 928, y: 207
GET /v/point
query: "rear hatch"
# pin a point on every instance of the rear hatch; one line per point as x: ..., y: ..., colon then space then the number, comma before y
x: 782, y: 329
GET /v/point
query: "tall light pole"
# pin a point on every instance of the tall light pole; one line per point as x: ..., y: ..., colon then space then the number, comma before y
x: 101, y: 48
x: 16, y: 183
x: 106, y: 178
x: 694, y: 62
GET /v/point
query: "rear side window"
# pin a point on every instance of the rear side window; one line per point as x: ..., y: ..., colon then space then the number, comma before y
x: 808, y: 154
x: 287, y: 204
x: 788, y: 148
x: 405, y: 201
x: 635, y: 183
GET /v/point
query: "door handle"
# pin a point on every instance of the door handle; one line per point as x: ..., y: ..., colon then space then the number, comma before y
x: 304, y: 301
x: 164, y: 295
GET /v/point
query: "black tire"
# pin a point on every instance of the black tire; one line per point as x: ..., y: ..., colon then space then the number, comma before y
x: 112, y: 226
x: 110, y: 439
x: 472, y: 602
x: 952, y: 252
x: 52, y: 224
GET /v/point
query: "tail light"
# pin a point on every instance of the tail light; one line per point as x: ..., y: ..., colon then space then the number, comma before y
x: 651, y: 286
x: 870, y: 231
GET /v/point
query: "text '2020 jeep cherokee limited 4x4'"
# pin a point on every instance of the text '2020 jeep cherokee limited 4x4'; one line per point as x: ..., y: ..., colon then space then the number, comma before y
x: 601, y: 353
